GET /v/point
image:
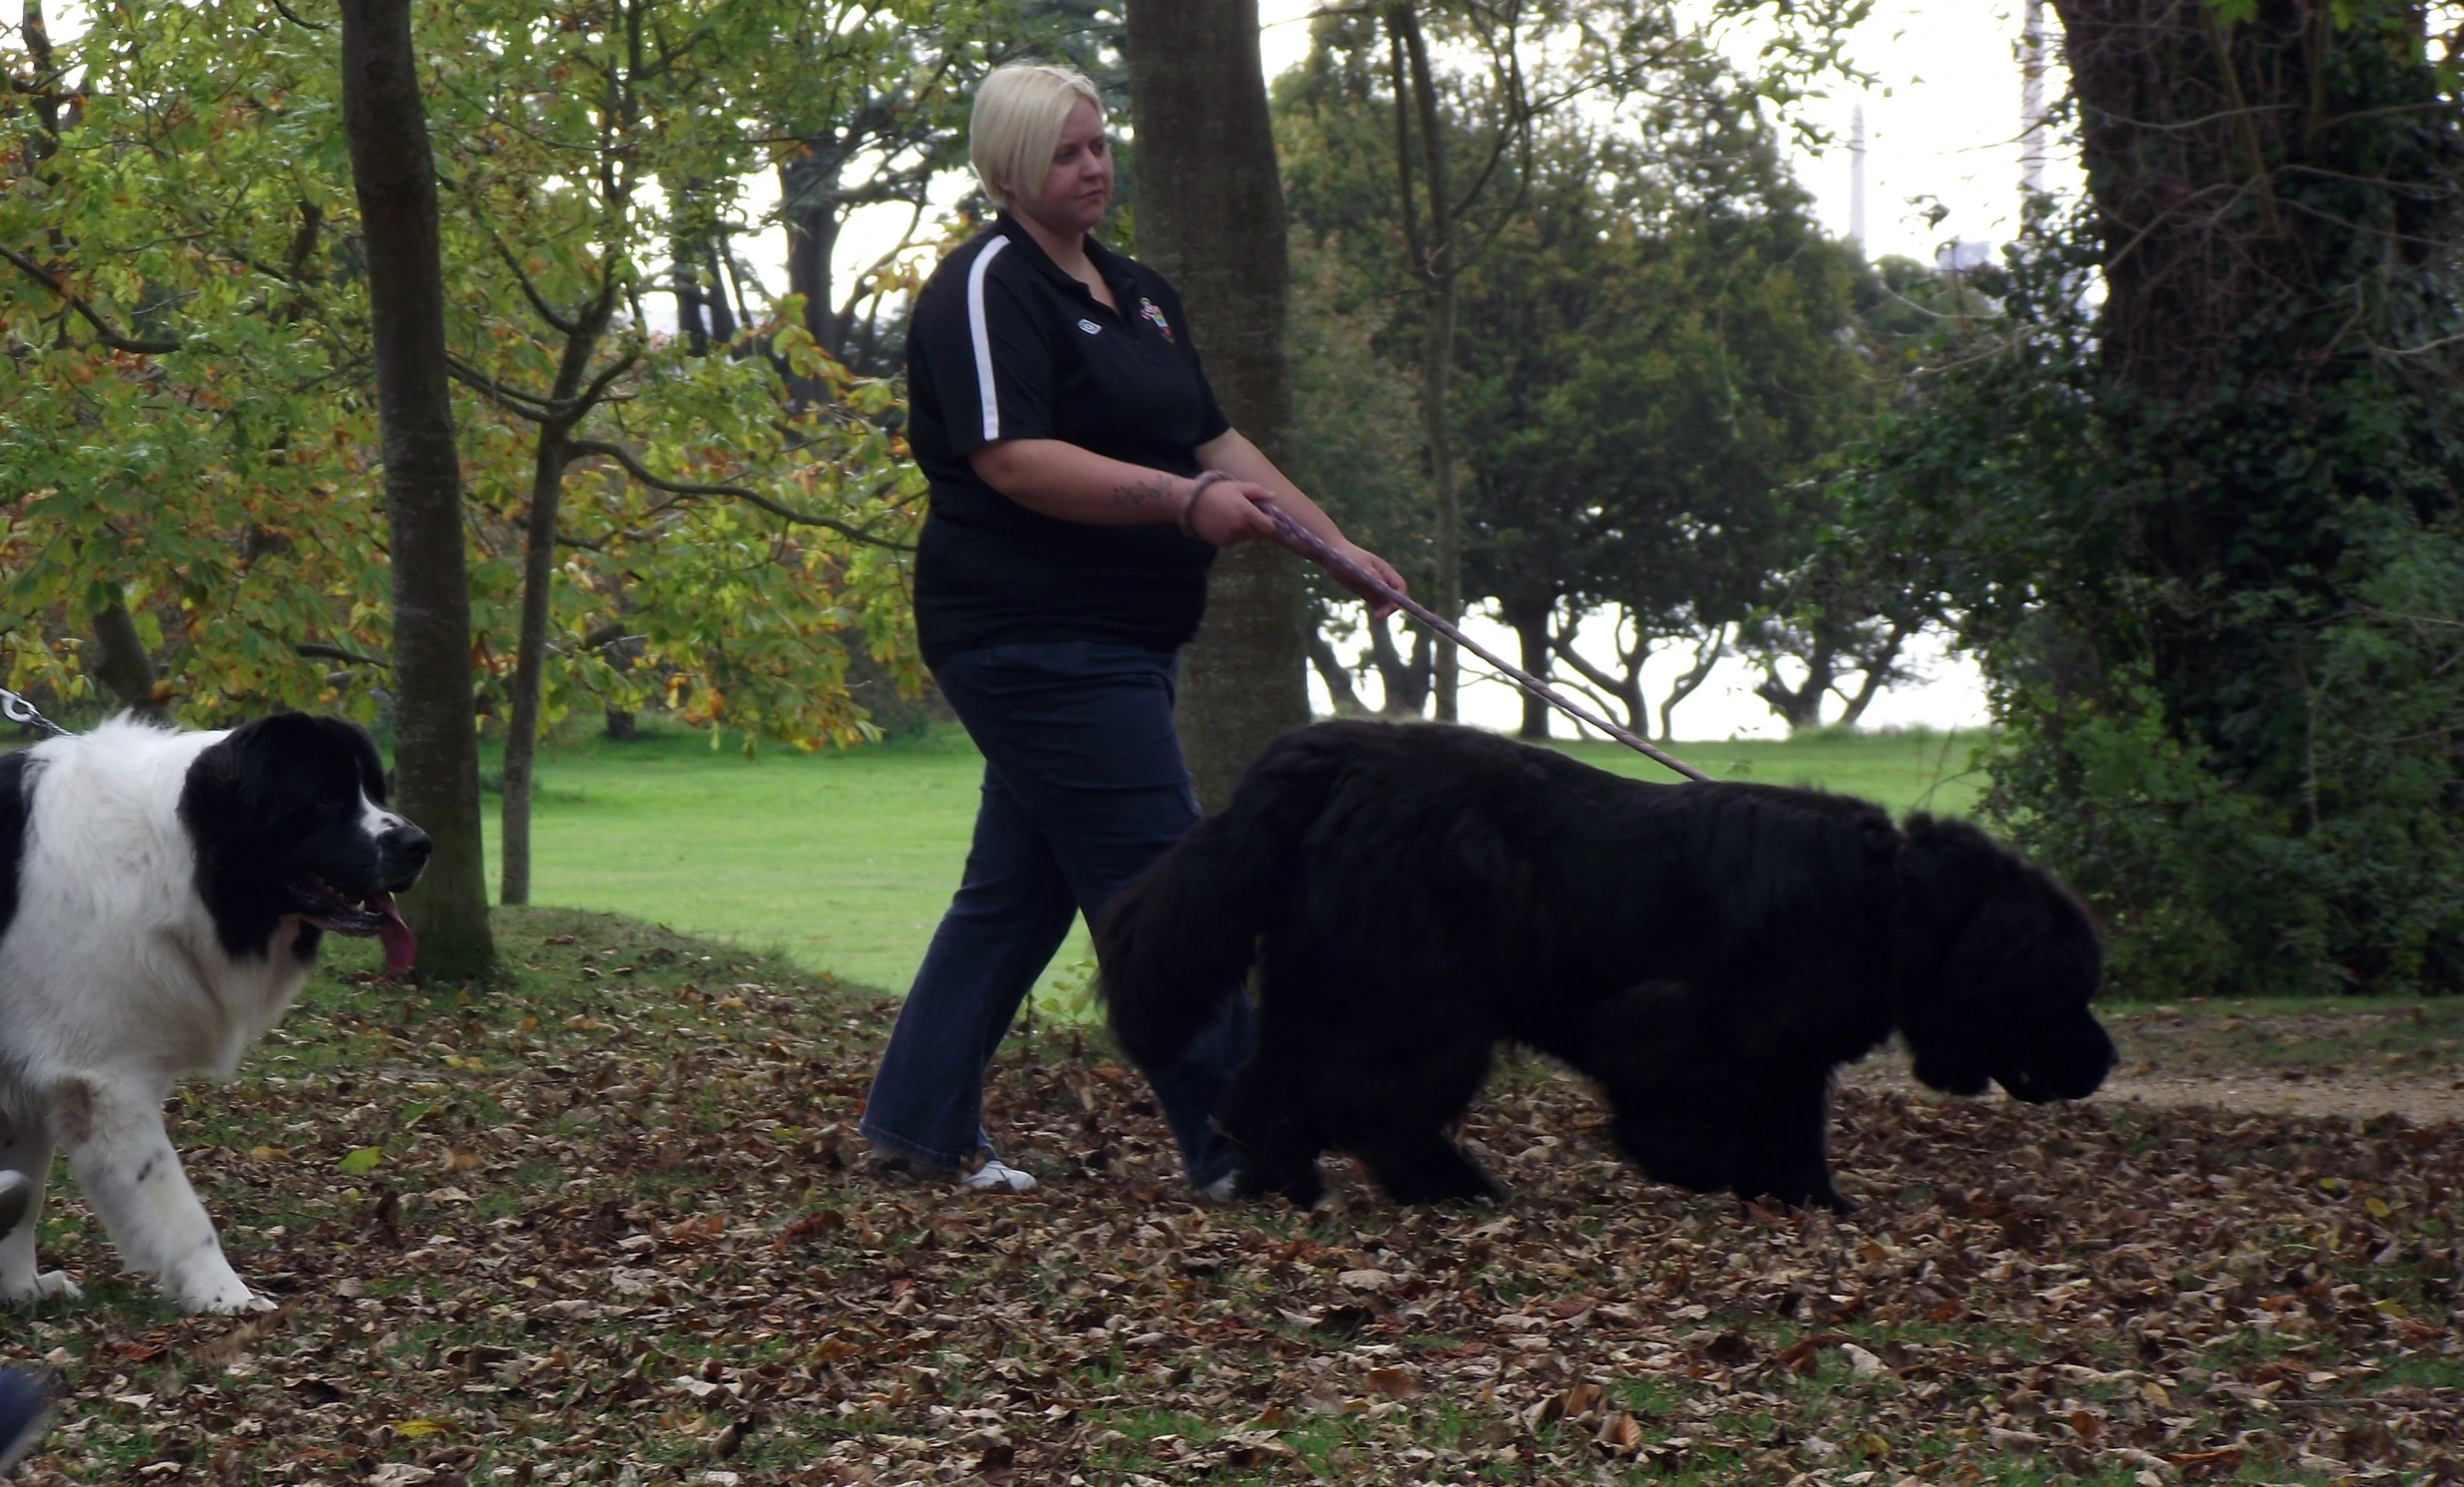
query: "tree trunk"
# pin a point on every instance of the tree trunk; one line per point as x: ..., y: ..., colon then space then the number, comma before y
x: 522, y: 727
x: 538, y: 572
x: 1405, y: 681
x: 685, y: 274
x: 1802, y: 707
x: 121, y: 662
x: 1415, y: 95
x: 1706, y: 655
x: 810, y: 213
x: 1877, y: 675
x: 1338, y: 677
x: 1530, y: 625
x: 436, y: 743
x: 1210, y: 218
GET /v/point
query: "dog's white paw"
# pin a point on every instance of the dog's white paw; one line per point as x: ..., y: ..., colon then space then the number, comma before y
x: 46, y: 1285
x: 226, y: 1295
x: 209, y: 1283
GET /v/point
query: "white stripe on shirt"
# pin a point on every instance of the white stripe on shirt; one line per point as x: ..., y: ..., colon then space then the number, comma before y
x: 983, y: 338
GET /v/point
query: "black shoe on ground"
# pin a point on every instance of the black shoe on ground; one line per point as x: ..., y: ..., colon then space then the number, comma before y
x: 25, y: 1409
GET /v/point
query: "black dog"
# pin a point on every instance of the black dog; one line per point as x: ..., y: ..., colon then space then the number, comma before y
x: 1706, y: 953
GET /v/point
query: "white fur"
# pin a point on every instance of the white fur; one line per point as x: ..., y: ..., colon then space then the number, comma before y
x: 111, y: 987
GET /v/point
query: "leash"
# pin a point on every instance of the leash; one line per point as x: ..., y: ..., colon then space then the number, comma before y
x: 1368, y: 585
x: 17, y: 709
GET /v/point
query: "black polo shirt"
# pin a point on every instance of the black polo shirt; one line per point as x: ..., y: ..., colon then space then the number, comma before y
x: 1004, y: 345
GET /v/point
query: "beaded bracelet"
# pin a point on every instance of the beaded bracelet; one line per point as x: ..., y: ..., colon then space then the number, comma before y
x: 1188, y: 506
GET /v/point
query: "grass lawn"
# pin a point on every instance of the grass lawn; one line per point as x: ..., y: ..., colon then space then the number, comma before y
x: 843, y: 861
x: 606, y: 1223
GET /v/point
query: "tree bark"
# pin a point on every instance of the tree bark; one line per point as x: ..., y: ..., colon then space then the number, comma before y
x: 1337, y: 677
x: 1415, y: 96
x: 1405, y: 680
x: 1531, y: 626
x: 436, y: 742
x: 1210, y: 218
x: 1802, y: 706
x: 538, y: 572
x: 121, y: 662
x: 1707, y: 654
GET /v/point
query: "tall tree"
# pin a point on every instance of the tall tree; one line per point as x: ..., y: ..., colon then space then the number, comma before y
x: 435, y: 740
x: 2203, y: 529
x: 1211, y: 218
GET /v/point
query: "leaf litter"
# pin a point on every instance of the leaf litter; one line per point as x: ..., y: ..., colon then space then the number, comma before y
x: 611, y: 1224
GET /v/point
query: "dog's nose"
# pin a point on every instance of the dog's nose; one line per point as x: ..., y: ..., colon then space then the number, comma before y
x: 404, y: 852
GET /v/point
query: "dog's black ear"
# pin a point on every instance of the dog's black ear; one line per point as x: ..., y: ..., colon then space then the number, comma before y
x: 268, y: 771
x: 1997, y: 963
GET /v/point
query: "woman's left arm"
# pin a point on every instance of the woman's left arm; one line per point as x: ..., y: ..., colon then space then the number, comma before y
x: 1235, y: 456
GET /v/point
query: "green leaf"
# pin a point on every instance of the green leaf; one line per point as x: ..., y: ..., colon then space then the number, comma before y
x: 366, y: 1159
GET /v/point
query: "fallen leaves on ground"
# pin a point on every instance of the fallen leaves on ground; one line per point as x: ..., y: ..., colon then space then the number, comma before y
x: 617, y: 1229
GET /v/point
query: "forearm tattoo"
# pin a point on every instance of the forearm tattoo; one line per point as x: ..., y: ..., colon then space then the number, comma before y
x: 1154, y: 490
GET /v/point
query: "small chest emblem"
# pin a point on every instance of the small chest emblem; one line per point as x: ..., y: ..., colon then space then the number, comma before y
x: 1147, y: 311
x: 1089, y: 327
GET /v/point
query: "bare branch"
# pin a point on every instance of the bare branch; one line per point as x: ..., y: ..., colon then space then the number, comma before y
x: 588, y: 398
x: 530, y: 292
x: 586, y: 447
x: 320, y: 651
x: 512, y: 400
x: 104, y: 330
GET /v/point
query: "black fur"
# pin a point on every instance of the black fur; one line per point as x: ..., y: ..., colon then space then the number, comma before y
x: 18, y: 773
x: 1709, y: 954
x: 278, y: 803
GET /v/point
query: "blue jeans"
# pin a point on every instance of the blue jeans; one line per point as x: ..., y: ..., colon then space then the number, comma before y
x: 1084, y: 786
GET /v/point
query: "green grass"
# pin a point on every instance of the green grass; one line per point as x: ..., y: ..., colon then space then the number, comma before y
x: 842, y: 860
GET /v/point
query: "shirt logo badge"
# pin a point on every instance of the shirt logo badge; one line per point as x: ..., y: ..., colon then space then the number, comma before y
x: 1147, y: 311
x: 1089, y: 327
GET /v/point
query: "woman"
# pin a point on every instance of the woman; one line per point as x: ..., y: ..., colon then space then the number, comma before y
x: 1082, y: 479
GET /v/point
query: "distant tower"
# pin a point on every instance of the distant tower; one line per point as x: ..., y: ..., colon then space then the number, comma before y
x: 1856, y: 175
x: 2032, y: 100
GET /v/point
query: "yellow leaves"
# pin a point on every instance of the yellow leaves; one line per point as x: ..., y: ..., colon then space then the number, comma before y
x: 365, y: 1158
x: 419, y: 1429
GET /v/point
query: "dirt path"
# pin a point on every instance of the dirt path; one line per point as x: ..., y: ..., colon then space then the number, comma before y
x: 2359, y: 1059
x: 2422, y: 1101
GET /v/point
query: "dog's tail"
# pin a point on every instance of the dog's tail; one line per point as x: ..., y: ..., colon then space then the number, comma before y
x: 1175, y: 945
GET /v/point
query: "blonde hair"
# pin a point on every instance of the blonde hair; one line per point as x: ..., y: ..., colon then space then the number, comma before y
x: 1016, y: 126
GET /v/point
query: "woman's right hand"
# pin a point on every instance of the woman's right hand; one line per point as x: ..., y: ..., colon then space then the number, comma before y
x: 1227, y: 512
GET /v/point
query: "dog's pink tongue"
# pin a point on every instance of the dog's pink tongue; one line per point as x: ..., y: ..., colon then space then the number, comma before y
x: 401, y: 946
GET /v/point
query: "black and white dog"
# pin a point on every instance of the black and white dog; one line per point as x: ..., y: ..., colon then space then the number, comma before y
x: 162, y: 898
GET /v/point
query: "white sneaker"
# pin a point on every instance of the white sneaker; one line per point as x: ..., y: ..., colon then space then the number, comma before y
x: 996, y: 1175
x: 1223, y: 1190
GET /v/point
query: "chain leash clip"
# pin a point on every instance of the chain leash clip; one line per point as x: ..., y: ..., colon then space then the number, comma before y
x: 17, y: 709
